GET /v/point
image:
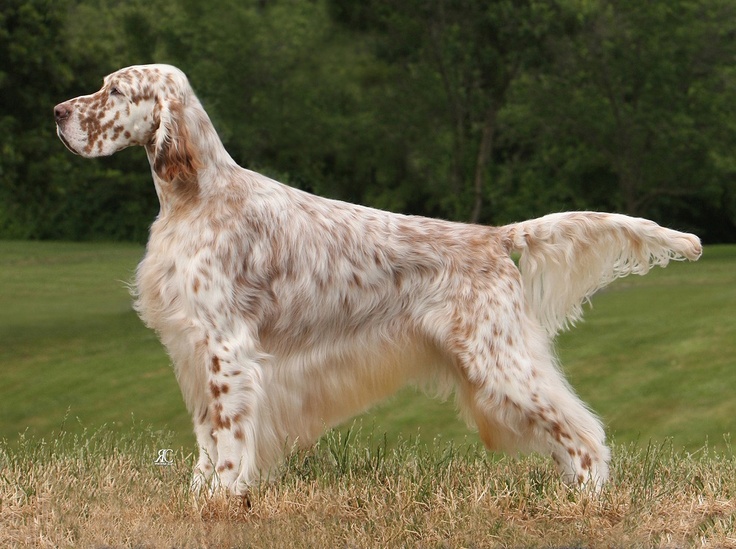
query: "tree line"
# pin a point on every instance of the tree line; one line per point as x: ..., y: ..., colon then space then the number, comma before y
x: 485, y: 111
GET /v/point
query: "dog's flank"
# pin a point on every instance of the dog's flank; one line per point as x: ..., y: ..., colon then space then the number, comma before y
x: 284, y: 312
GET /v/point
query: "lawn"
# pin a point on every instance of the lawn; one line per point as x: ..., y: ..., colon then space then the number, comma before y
x: 655, y: 356
x: 102, y: 489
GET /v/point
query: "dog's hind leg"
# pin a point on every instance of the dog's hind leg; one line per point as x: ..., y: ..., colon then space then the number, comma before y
x: 512, y: 389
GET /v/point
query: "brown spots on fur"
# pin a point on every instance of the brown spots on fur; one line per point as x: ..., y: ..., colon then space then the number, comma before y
x: 398, y: 277
x: 556, y: 430
x: 186, y: 186
x: 507, y: 402
x: 220, y: 421
x: 461, y: 330
x: 239, y: 434
x: 586, y: 462
x: 345, y: 304
x: 215, y: 365
x: 200, y: 348
x: 227, y: 465
x: 145, y: 94
x: 357, y: 281
x: 175, y: 159
x: 217, y: 390
x: 377, y: 259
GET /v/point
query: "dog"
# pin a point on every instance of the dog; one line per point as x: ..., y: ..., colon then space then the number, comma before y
x: 285, y: 313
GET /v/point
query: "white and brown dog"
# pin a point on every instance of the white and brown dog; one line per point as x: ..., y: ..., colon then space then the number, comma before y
x: 284, y: 312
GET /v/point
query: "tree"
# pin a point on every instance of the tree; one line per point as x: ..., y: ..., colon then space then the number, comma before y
x: 629, y: 103
x: 32, y: 73
x: 473, y: 51
x: 51, y: 50
x: 483, y: 111
x: 281, y: 87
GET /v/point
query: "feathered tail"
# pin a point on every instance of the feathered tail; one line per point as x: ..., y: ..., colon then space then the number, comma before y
x: 567, y: 257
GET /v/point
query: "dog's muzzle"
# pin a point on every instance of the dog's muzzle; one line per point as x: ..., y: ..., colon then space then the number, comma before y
x: 62, y: 112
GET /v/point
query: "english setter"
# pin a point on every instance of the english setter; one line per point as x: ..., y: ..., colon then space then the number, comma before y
x: 285, y: 313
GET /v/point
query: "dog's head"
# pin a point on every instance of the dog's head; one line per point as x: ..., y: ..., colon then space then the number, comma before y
x: 139, y: 105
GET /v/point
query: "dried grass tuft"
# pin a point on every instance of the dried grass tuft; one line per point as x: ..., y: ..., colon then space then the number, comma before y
x: 103, y: 490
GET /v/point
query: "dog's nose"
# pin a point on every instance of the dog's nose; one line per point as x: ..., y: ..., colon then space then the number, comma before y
x: 62, y: 112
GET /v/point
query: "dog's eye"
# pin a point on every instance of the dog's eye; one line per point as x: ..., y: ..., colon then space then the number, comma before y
x: 115, y: 91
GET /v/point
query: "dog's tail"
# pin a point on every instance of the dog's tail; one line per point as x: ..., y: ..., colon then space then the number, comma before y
x: 567, y: 257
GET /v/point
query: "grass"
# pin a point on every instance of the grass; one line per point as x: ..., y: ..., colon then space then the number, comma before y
x: 102, y: 489
x: 72, y: 350
x: 654, y: 357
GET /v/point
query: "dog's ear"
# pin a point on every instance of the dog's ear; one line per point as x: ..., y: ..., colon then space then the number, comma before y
x: 175, y: 157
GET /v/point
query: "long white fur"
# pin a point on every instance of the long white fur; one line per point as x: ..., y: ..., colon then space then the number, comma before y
x: 567, y: 257
x: 285, y: 313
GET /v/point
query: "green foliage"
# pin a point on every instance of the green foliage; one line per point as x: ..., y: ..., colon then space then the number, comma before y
x: 50, y: 50
x: 32, y: 72
x: 625, y: 115
x: 489, y: 111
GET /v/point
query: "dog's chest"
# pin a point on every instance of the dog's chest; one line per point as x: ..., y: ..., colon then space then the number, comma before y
x: 187, y: 274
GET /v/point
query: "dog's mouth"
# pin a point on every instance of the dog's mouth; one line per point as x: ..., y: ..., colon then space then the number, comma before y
x: 60, y: 133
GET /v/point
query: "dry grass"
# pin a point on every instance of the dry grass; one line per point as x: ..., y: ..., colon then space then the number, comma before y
x: 103, y: 490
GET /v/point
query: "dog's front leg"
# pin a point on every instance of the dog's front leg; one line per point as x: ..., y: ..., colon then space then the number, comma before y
x: 235, y: 386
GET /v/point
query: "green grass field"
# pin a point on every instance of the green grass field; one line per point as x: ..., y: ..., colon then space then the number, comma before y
x: 655, y: 357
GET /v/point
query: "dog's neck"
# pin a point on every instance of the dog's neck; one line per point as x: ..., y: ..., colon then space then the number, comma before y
x: 206, y: 155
